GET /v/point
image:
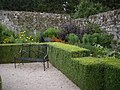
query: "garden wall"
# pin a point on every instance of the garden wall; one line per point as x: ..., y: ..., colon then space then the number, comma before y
x: 110, y: 21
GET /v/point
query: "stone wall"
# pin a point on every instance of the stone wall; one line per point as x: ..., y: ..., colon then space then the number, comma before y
x: 17, y: 20
x: 109, y: 21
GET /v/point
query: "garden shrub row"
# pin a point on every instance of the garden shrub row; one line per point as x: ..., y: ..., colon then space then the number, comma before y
x: 0, y: 83
x: 112, y: 74
x: 88, y: 73
x: 9, y: 51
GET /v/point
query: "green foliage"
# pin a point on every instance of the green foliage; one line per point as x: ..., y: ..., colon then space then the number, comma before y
x: 112, y: 74
x: 116, y: 51
x: 51, y: 32
x: 103, y: 39
x: 72, y: 38
x: 0, y: 83
x: 68, y: 28
x: 96, y: 50
x: 93, y: 28
x: 113, y: 4
x: 6, y: 35
x: 69, y: 48
x: 54, y: 6
x: 87, y: 8
x: 97, y: 36
x: 86, y: 39
x: 24, y: 38
x: 9, y: 51
x: 86, y: 72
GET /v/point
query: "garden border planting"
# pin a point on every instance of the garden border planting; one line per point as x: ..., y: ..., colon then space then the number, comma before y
x: 8, y: 51
x: 89, y: 73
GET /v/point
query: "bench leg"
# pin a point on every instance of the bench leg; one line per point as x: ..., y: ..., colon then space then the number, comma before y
x: 44, y: 65
x: 22, y: 62
x: 14, y: 62
x: 47, y: 64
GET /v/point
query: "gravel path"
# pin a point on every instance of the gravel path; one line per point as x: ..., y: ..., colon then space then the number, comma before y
x: 32, y: 77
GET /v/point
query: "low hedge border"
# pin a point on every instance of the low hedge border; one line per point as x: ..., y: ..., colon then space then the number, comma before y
x: 112, y: 74
x: 88, y: 73
x: 8, y: 51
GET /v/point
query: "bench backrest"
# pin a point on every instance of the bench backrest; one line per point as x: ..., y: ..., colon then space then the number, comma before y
x: 34, y: 51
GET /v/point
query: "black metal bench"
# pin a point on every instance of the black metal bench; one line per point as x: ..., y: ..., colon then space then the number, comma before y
x: 33, y: 53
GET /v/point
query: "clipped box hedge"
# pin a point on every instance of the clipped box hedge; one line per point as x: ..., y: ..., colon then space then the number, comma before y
x: 61, y: 51
x: 112, y: 74
x: 0, y: 83
x: 74, y: 51
x: 9, y: 51
x: 88, y: 73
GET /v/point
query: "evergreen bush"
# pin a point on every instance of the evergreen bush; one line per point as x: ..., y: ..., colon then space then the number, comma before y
x: 72, y: 38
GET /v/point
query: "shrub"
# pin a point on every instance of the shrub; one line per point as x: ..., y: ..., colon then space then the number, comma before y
x: 116, y: 51
x: 103, y: 39
x: 72, y: 38
x: 24, y: 38
x: 96, y: 50
x: 51, y: 32
x: 86, y: 39
x: 6, y: 35
x: 68, y: 28
x: 87, y: 8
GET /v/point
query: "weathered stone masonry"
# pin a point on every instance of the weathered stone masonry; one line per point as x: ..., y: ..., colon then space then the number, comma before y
x: 16, y: 20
